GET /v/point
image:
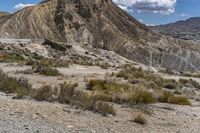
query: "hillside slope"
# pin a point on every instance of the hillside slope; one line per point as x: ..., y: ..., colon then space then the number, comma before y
x: 101, y: 24
x: 188, y: 29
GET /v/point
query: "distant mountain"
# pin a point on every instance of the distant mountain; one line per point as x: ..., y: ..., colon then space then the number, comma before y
x: 188, y: 29
x: 100, y: 24
x: 4, y: 14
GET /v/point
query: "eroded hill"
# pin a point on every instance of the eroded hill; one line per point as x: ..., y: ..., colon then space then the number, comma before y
x: 100, y: 24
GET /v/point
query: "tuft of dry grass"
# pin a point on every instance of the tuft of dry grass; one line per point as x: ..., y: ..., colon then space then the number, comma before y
x: 45, y: 93
x: 142, y: 97
x: 120, y: 93
x: 19, y: 86
x: 168, y: 97
x: 105, y: 109
x: 140, y: 119
x: 104, y: 85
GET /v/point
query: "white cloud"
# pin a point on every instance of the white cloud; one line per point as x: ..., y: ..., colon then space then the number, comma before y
x: 21, y: 6
x: 140, y: 20
x: 154, y: 6
x: 125, y: 8
x: 184, y: 15
x: 150, y: 24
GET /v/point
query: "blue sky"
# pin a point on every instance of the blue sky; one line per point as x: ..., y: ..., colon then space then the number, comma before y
x: 150, y: 12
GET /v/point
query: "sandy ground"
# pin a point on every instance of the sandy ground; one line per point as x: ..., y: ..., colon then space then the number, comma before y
x: 73, y: 74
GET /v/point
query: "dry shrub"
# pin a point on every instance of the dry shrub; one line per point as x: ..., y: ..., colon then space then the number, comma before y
x: 45, y: 93
x: 19, y: 86
x: 105, y: 109
x: 139, y: 118
x: 168, y: 97
x: 142, y: 97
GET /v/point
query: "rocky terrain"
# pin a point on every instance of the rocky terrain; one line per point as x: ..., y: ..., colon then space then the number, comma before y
x: 89, y: 67
x: 22, y: 116
x: 28, y: 115
x: 100, y: 24
x: 186, y: 29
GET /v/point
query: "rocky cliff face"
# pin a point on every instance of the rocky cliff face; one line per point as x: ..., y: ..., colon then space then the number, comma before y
x: 188, y: 29
x: 101, y: 24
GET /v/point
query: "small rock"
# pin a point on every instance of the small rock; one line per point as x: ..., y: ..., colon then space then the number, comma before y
x: 12, y: 113
x: 66, y: 110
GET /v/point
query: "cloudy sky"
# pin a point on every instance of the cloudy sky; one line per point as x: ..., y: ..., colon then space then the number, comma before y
x: 150, y: 12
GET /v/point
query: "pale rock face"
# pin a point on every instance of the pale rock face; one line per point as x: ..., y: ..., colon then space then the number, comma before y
x: 101, y: 24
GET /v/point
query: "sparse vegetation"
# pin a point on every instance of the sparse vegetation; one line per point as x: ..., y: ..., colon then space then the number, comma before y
x: 48, y: 62
x: 14, y: 57
x: 142, y: 87
x: 146, y: 78
x: 84, y: 100
x: 111, y: 91
x: 67, y: 94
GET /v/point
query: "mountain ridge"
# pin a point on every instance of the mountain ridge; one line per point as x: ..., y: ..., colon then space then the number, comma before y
x: 185, y: 29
